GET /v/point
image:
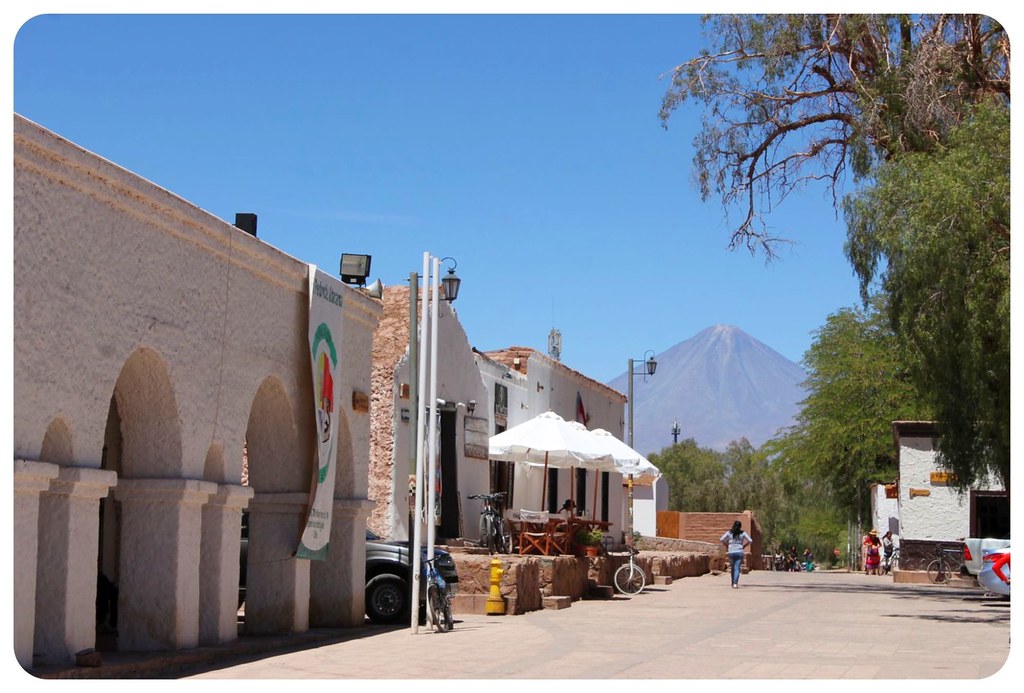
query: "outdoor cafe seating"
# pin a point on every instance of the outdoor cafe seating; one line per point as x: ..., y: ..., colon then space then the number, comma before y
x: 540, y: 533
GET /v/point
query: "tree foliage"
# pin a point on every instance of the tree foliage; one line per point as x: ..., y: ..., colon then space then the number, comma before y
x: 857, y: 386
x: 791, y: 508
x: 934, y: 230
x: 793, y: 99
x: 695, y: 477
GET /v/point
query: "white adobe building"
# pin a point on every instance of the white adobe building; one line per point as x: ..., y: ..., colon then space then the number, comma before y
x: 536, y: 383
x: 933, y: 512
x: 484, y: 394
x: 153, y: 343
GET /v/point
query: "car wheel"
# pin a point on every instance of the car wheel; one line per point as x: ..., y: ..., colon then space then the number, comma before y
x: 387, y: 599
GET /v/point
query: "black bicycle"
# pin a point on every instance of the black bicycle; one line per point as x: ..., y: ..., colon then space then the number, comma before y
x: 495, y: 534
x: 439, y: 598
x: 943, y: 566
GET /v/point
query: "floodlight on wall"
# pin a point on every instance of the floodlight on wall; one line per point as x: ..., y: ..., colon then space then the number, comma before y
x: 355, y: 268
x: 450, y: 282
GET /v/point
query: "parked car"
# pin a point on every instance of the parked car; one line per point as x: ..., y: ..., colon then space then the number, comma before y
x: 975, y: 548
x: 388, y: 571
x: 987, y: 577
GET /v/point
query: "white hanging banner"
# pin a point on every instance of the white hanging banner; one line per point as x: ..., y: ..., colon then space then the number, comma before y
x: 325, y: 318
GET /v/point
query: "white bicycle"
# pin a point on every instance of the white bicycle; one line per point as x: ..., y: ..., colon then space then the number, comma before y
x: 629, y: 577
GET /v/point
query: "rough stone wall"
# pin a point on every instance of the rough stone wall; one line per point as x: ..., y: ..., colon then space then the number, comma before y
x: 527, y: 580
x: 390, y: 345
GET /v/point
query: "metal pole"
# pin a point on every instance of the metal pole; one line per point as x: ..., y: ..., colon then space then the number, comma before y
x: 629, y: 401
x: 420, y: 414
x: 432, y: 422
x: 629, y: 482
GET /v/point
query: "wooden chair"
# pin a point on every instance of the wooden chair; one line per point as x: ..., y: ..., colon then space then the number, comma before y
x: 533, y: 532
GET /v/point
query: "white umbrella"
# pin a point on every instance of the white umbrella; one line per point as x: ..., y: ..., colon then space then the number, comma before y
x: 627, y: 460
x: 629, y: 463
x: 550, y: 440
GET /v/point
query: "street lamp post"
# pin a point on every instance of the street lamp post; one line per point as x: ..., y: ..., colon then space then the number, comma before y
x: 419, y: 351
x: 650, y: 365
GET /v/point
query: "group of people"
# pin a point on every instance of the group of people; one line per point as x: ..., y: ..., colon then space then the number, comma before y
x: 876, y: 550
x: 792, y: 561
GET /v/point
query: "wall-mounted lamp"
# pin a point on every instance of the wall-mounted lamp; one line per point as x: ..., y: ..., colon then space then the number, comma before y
x: 450, y: 282
x: 355, y: 268
x: 539, y: 387
x: 471, y: 407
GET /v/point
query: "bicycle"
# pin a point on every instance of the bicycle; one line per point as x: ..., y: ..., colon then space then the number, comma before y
x: 439, y: 598
x: 629, y: 577
x: 494, y: 532
x: 942, y: 566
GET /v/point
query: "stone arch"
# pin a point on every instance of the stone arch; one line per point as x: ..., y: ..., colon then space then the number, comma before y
x: 213, y: 467
x: 57, y: 445
x: 150, y: 421
x: 272, y: 445
x: 279, y: 466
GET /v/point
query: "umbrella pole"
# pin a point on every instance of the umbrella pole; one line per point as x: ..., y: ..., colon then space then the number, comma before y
x: 593, y: 509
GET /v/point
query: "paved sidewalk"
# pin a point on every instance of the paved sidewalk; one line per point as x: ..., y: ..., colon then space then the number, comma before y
x: 827, y: 625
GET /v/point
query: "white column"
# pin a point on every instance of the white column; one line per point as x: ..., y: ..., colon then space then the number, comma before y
x: 158, y: 586
x: 277, y: 583
x: 338, y: 584
x: 30, y: 480
x: 219, y: 564
x: 421, y: 401
x: 68, y: 549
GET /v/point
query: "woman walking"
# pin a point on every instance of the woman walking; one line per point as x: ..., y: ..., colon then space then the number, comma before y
x: 735, y: 540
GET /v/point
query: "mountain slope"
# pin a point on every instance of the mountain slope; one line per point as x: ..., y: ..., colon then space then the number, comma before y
x: 721, y: 385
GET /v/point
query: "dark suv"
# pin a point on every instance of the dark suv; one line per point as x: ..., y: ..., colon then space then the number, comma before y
x: 388, y: 572
x: 387, y: 575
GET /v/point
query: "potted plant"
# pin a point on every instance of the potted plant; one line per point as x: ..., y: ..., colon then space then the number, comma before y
x: 590, y: 540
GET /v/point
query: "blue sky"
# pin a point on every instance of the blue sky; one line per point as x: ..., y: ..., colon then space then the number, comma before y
x: 527, y: 147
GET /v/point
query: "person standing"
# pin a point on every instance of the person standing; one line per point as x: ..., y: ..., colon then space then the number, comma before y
x: 735, y: 540
x: 888, y: 547
x: 872, y: 558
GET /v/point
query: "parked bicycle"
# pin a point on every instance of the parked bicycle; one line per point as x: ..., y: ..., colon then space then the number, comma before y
x: 439, y: 598
x: 629, y: 577
x: 495, y: 534
x: 947, y: 561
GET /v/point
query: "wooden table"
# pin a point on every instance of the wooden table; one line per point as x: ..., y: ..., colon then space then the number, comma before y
x: 553, y: 536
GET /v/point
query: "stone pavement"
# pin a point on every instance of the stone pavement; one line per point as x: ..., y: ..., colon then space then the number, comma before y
x: 821, y: 625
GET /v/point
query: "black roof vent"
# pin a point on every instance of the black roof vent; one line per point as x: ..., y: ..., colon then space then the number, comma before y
x: 247, y: 222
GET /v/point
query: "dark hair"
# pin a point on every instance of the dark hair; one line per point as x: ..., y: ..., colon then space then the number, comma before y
x: 737, y: 528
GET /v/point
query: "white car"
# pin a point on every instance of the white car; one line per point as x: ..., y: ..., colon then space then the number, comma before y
x: 987, y: 577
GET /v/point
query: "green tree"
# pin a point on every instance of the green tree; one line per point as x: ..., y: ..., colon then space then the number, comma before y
x: 695, y: 476
x: 857, y: 386
x: 934, y: 230
x: 795, y: 99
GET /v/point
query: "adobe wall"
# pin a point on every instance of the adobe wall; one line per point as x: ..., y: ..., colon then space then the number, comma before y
x: 709, y: 527
x: 153, y: 342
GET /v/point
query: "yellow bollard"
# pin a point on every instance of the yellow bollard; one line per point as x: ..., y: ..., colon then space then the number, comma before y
x: 495, y: 602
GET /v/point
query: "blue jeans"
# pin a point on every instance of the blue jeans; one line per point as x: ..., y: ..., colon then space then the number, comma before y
x: 736, y: 558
